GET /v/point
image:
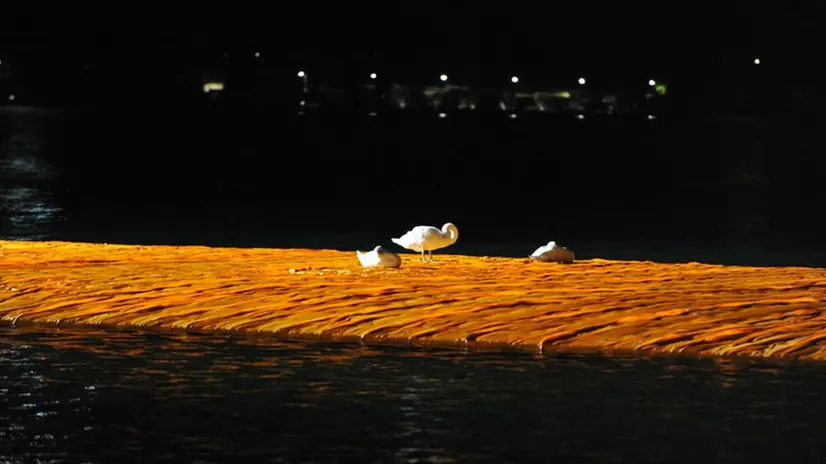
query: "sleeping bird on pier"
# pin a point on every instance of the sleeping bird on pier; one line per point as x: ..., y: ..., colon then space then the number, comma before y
x: 553, y: 253
x: 379, y: 257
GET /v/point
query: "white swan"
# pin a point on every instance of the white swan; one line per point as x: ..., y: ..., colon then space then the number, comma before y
x: 379, y: 257
x: 553, y: 252
x: 428, y: 238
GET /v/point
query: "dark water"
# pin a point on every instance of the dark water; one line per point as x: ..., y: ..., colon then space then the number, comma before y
x: 744, y: 190
x: 728, y: 191
x: 87, y: 395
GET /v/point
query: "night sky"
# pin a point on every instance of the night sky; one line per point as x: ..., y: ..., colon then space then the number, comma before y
x: 704, y: 50
x: 528, y: 38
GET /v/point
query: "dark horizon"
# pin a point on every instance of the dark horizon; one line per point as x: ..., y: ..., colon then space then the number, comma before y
x: 587, y: 38
x: 703, y: 53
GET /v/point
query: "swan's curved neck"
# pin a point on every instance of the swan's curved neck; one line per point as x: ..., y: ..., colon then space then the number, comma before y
x: 451, y: 232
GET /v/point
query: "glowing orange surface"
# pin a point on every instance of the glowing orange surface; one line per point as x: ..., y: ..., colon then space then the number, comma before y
x: 456, y: 301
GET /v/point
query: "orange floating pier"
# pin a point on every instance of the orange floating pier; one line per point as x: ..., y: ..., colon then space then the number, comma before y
x: 457, y: 301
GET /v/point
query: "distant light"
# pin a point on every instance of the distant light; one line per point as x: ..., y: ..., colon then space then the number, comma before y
x: 581, y: 81
x: 372, y: 113
x: 301, y: 74
x: 443, y: 78
x: 1, y: 61
x: 442, y: 115
x: 513, y: 116
x: 580, y: 116
x: 373, y: 75
x: 302, y: 103
x: 11, y: 97
x: 652, y: 82
x: 213, y: 87
x: 661, y: 89
x: 257, y: 55
x: 757, y: 61
x: 515, y: 79
x: 651, y: 117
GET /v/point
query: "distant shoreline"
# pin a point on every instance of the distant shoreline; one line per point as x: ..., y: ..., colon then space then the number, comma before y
x: 418, y: 115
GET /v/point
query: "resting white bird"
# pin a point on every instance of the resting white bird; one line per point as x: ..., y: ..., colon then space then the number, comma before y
x: 428, y: 238
x: 553, y: 252
x: 379, y: 257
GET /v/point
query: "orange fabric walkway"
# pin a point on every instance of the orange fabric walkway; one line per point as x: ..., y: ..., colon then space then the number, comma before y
x: 457, y: 301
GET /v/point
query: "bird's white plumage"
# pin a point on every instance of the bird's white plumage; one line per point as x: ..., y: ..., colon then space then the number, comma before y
x: 428, y: 238
x: 379, y: 257
x: 553, y: 253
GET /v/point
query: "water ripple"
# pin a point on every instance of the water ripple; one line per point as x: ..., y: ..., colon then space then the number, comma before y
x: 28, y: 208
x: 110, y: 396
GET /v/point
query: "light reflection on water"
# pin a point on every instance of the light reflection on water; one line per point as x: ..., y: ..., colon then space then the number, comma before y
x: 28, y: 210
x: 28, y: 213
x: 83, y: 394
